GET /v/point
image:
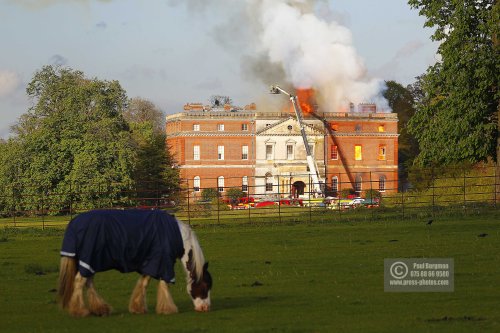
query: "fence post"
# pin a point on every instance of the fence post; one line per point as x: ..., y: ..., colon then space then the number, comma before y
x: 496, y: 183
x: 158, y: 200
x: 339, y: 195
x: 43, y: 213
x: 371, y: 193
x: 279, y: 199
x: 188, y: 199
x: 248, y: 197
x: 403, y: 204
x: 465, y: 199
x: 219, y: 196
x: 70, y: 202
x: 310, y: 204
x: 14, y: 205
x: 433, y: 191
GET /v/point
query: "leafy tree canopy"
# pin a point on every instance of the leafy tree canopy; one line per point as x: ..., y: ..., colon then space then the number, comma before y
x: 154, y: 162
x: 74, y: 133
x: 457, y: 110
x: 402, y: 101
x: 83, y: 140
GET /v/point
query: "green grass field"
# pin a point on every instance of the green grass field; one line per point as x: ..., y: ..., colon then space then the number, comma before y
x: 311, y: 277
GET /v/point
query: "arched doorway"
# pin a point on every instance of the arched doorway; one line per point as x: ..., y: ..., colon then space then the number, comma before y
x: 298, y: 189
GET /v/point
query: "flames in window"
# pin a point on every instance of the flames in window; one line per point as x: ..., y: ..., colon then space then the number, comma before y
x: 306, y: 99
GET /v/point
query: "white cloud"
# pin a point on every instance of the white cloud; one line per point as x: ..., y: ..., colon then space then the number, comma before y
x: 9, y: 82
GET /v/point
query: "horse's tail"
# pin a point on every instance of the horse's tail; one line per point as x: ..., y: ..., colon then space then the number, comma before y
x: 67, y: 272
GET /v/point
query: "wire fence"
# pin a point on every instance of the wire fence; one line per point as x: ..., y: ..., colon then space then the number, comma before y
x: 430, y: 193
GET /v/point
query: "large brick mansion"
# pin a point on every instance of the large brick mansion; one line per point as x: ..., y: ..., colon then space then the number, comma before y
x: 263, y: 153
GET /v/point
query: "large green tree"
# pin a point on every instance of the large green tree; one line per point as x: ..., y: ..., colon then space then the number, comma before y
x: 154, y: 173
x: 74, y: 141
x: 457, y: 113
x: 402, y: 102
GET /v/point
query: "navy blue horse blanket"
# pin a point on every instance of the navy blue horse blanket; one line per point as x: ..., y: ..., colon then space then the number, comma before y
x: 143, y: 241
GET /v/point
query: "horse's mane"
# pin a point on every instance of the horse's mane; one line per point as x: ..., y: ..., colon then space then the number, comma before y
x: 190, y: 241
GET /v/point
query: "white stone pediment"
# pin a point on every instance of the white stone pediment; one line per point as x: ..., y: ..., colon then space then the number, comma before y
x: 289, y: 127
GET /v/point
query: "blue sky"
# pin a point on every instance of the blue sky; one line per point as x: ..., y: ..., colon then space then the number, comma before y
x: 172, y: 52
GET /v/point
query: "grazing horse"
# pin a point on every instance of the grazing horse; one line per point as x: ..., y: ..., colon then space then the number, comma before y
x: 144, y: 241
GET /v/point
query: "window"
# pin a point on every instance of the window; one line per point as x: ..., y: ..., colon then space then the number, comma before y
x: 334, y: 152
x: 244, y: 152
x: 381, y: 152
x: 196, y: 183
x: 220, y: 152
x: 196, y: 127
x: 335, y: 184
x: 381, y: 128
x: 357, y: 153
x: 220, y: 184
x: 269, y: 182
x: 220, y: 127
x: 289, y: 152
x: 244, y: 184
x: 358, y: 184
x: 244, y: 127
x: 381, y: 184
x: 196, y: 153
x: 269, y: 152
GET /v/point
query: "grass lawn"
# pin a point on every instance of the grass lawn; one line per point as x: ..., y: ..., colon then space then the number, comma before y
x: 311, y: 277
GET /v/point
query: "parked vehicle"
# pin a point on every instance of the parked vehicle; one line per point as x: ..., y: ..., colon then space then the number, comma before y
x: 291, y: 202
x: 264, y: 204
x: 337, y: 203
x: 356, y: 202
x: 314, y: 202
x: 371, y: 203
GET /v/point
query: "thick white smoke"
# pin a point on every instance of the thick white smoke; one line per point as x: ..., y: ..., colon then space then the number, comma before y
x: 314, y: 54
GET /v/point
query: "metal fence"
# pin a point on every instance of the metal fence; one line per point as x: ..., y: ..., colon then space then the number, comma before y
x: 428, y: 194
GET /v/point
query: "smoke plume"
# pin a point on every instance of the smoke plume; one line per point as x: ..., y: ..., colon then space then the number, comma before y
x: 313, y: 53
x: 294, y: 47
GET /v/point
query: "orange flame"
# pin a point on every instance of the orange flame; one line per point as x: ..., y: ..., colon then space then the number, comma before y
x: 306, y: 99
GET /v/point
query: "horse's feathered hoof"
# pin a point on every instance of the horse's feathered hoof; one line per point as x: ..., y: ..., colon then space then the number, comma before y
x: 137, y: 310
x: 79, y: 313
x: 166, y: 310
x: 102, y: 311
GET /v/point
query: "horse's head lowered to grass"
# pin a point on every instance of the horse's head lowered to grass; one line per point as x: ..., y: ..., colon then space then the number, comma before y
x: 199, y: 280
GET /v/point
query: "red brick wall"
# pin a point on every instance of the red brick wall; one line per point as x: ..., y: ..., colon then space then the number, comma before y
x: 363, y: 131
x: 370, y: 168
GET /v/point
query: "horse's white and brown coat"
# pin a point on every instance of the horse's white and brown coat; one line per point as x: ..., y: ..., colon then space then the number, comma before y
x: 147, y: 242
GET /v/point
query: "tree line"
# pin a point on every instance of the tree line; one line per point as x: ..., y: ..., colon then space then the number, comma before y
x: 82, y: 137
